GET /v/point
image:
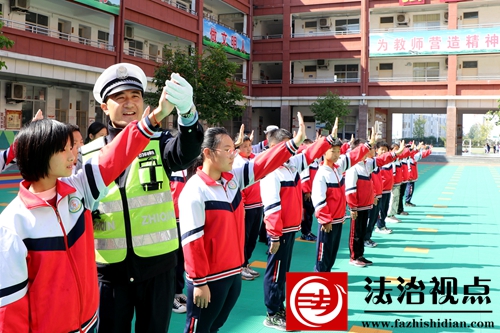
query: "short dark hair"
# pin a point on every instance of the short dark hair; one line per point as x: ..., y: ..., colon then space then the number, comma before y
x: 337, y: 143
x: 93, y: 129
x: 245, y: 139
x: 382, y: 143
x: 307, y: 141
x: 212, y: 138
x: 35, y: 145
x: 73, y: 127
x: 357, y: 142
x: 394, y: 145
x: 279, y: 135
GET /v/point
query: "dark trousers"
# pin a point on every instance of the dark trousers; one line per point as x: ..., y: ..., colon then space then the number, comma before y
x: 384, y: 208
x: 307, y: 215
x: 357, y: 234
x: 223, y: 296
x: 409, y: 191
x: 151, y: 299
x: 253, y: 220
x: 179, y: 270
x: 372, y: 219
x: 263, y: 232
x: 402, y: 190
x: 278, y: 265
x: 327, y: 247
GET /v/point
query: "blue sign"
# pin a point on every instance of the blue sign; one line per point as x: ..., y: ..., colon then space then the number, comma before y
x: 232, y: 41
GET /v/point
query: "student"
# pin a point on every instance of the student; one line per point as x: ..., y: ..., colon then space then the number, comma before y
x: 77, y: 140
x: 397, y: 173
x: 95, y: 131
x: 387, y: 182
x: 328, y: 197
x: 136, y: 241
x: 282, y: 198
x: 253, y: 207
x: 212, y: 225
x: 360, y: 197
x: 419, y: 153
x: 48, y: 276
x: 307, y: 177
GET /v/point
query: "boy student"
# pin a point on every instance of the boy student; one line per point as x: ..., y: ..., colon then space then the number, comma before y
x: 48, y: 277
x: 213, y: 227
x: 328, y: 197
x: 282, y: 198
x: 360, y: 197
x: 136, y: 242
x: 397, y: 172
x: 419, y: 153
x: 307, y: 177
x: 252, y: 203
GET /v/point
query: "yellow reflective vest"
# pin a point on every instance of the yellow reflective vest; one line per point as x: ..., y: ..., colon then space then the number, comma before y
x: 140, y: 216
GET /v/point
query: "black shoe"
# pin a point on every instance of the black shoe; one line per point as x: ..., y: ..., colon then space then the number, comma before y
x: 365, y: 261
x: 403, y: 213
x: 309, y: 237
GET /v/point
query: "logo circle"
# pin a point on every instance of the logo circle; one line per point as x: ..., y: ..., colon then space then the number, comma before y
x: 232, y: 184
x: 75, y: 204
x: 311, y: 301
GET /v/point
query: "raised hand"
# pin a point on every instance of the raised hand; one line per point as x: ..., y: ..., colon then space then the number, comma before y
x: 165, y: 108
x: 401, y: 147
x: 38, y: 115
x: 251, y: 136
x: 373, y: 137
x: 352, y: 139
x: 335, y: 128
x: 179, y: 93
x: 301, y: 133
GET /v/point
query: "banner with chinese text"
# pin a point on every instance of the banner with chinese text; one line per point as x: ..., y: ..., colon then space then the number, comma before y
x: 110, y: 6
x: 232, y: 42
x: 414, y: 43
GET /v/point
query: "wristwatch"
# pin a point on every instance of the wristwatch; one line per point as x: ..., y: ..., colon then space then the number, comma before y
x: 190, y: 113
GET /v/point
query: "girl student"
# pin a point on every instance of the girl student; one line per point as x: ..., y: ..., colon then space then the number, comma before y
x: 213, y: 225
x: 48, y: 277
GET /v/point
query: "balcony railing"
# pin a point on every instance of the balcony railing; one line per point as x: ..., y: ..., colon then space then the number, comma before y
x: 140, y: 54
x: 325, y: 33
x: 41, y: 30
x: 482, y: 25
x: 403, y: 28
x: 409, y: 79
x: 325, y: 80
x: 213, y: 19
x: 267, y: 81
x: 180, y: 5
x: 277, y: 36
x: 478, y: 77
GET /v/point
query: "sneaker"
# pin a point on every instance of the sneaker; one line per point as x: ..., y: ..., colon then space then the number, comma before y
x: 403, y: 213
x: 252, y: 272
x: 181, y: 298
x: 383, y: 230
x: 392, y: 219
x: 282, y: 313
x: 277, y: 321
x: 309, y: 237
x: 366, y: 261
x: 245, y: 275
x: 178, y: 307
x: 409, y: 204
x: 357, y: 262
x: 370, y: 243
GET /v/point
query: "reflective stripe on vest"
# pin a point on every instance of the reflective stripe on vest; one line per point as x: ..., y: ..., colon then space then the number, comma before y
x: 151, y: 214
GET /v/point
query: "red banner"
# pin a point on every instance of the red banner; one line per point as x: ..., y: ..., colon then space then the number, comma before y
x: 411, y: 2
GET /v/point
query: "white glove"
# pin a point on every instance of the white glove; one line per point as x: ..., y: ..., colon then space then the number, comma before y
x: 179, y: 93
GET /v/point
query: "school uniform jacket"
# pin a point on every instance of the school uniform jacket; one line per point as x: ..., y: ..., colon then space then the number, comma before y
x: 6, y: 157
x: 49, y: 278
x: 308, y: 175
x: 251, y: 194
x: 177, y: 183
x: 418, y: 155
x: 397, y: 167
x: 359, y: 186
x: 212, y: 218
x: 328, y: 191
x: 282, y: 194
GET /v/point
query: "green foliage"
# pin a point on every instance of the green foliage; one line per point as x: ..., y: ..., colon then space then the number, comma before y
x: 479, y: 133
x: 419, y: 127
x: 494, y: 116
x: 443, y: 138
x: 5, y: 43
x: 328, y: 107
x: 211, y: 74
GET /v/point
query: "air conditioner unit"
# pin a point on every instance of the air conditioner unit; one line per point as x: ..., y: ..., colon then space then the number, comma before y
x: 323, y: 23
x: 15, y: 92
x: 19, y: 5
x: 445, y: 16
x: 322, y: 64
x: 402, y: 19
x: 129, y: 32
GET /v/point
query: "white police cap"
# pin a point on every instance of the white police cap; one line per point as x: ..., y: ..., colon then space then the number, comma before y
x: 117, y: 78
x: 271, y: 128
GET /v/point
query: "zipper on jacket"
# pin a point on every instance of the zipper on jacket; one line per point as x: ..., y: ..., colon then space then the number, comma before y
x: 73, y: 265
x: 126, y: 217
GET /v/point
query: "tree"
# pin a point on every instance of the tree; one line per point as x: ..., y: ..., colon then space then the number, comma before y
x: 216, y: 94
x: 419, y: 128
x: 479, y: 133
x: 328, y: 107
x: 5, y: 43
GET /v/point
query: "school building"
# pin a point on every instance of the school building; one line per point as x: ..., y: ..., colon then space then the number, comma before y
x: 385, y: 56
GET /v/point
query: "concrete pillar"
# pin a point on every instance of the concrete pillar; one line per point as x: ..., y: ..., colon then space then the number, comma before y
x: 362, y: 122
x: 247, y: 117
x: 451, y: 130
x: 285, y: 117
x: 388, y: 128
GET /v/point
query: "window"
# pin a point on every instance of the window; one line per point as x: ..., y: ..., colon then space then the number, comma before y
x: 61, y: 115
x: 385, y: 67
x: 37, y: 23
x: 238, y: 74
x: 471, y: 15
x: 426, y: 21
x: 310, y: 68
x: 35, y: 100
x: 84, y: 33
x: 81, y: 118
x: 311, y: 24
x: 348, y: 26
x: 346, y: 73
x: 1, y: 10
x: 135, y: 48
x: 64, y: 28
x: 469, y: 64
x: 426, y: 71
x: 387, y: 20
